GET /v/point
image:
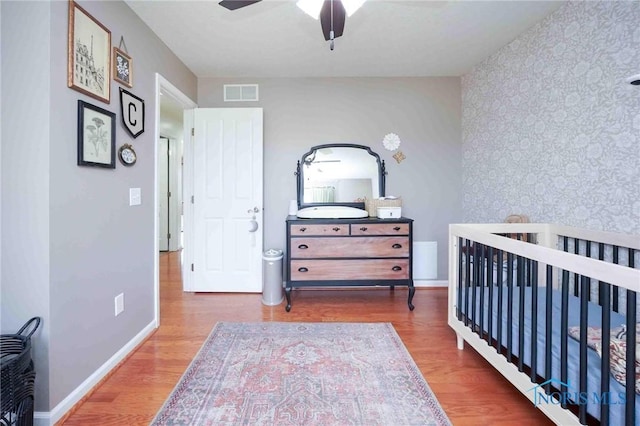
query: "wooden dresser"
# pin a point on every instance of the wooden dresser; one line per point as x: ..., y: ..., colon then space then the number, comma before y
x: 349, y: 252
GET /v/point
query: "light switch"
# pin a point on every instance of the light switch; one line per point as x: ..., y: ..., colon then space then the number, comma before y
x: 135, y: 197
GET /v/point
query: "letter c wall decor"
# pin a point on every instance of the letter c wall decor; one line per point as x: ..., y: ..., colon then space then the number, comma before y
x: 132, y: 110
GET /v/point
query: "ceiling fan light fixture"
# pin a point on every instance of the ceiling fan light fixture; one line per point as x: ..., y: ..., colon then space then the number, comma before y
x: 350, y: 6
x: 311, y: 7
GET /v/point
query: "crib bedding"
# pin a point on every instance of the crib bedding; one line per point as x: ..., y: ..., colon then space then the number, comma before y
x: 617, y: 411
x: 617, y: 349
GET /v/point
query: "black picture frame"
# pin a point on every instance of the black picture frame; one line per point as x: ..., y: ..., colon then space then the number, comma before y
x: 132, y: 113
x: 96, y: 136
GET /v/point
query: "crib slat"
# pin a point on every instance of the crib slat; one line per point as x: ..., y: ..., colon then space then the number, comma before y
x: 600, y: 283
x: 605, y: 301
x: 459, y: 295
x: 467, y: 282
x: 509, y: 306
x: 491, y: 286
x: 476, y: 267
x: 576, y: 283
x: 616, y: 296
x: 534, y: 320
x: 564, y: 319
x: 584, y: 314
x: 500, y: 255
x: 630, y: 412
x: 548, y: 325
x: 521, y: 324
x: 481, y: 284
x: 588, y: 243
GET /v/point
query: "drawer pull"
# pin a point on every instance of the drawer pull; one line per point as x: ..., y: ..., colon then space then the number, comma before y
x: 396, y: 268
x: 303, y: 229
x: 303, y: 246
x: 364, y: 228
x: 396, y: 228
x: 336, y: 229
x: 303, y: 269
x: 397, y: 246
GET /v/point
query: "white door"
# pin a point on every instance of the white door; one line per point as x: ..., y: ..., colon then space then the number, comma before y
x: 227, y: 200
x: 163, y: 194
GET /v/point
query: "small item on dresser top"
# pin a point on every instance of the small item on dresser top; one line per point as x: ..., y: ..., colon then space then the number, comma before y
x: 293, y: 207
x: 331, y: 212
x: 389, y: 201
x: 389, y: 212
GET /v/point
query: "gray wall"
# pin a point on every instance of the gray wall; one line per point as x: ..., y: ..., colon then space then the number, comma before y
x: 25, y: 175
x: 303, y: 112
x: 70, y: 241
x: 551, y: 129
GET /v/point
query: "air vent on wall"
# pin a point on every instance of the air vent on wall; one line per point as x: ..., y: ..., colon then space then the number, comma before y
x: 240, y: 92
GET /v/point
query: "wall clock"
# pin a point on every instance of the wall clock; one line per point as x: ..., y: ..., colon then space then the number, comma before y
x: 127, y: 155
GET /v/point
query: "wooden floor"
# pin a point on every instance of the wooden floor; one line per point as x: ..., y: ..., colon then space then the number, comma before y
x: 469, y: 390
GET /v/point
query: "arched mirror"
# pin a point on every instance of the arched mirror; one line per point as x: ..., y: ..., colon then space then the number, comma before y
x: 339, y: 175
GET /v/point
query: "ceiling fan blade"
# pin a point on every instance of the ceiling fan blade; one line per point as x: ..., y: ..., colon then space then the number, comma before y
x: 339, y: 16
x: 237, y: 4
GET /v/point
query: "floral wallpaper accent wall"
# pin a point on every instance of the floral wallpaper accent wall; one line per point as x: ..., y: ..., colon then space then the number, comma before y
x: 551, y: 129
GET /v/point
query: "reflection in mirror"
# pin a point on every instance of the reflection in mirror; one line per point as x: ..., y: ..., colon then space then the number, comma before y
x: 342, y: 174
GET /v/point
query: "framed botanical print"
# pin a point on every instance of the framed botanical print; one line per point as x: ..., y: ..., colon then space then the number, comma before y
x: 122, y: 67
x: 96, y: 136
x: 89, y: 54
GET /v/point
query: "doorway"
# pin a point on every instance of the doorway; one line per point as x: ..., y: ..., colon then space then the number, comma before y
x: 169, y: 191
x: 169, y: 123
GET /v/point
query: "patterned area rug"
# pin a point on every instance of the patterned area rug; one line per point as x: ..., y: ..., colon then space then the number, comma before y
x: 302, y: 374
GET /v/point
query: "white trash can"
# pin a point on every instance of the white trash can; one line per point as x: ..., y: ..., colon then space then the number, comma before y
x: 272, y: 290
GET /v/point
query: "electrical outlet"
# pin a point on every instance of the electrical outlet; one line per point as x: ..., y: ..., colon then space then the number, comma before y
x: 119, y: 302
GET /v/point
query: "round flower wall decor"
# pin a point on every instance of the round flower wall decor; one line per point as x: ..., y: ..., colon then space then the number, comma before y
x: 391, y: 142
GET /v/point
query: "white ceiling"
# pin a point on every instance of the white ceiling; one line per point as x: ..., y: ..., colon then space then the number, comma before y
x: 274, y: 38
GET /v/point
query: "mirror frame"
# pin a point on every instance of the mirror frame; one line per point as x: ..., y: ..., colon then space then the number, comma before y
x: 300, y: 183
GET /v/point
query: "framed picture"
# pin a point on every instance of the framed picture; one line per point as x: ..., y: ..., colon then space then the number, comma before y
x: 122, y: 67
x: 89, y: 50
x: 96, y: 136
x: 132, y: 111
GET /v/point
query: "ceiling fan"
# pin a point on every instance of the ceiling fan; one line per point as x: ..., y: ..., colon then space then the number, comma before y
x: 312, y: 160
x: 332, y: 13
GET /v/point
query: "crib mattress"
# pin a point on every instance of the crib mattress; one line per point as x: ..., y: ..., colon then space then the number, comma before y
x: 617, y: 411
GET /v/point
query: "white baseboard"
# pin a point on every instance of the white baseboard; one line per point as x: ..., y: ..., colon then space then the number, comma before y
x: 430, y: 283
x: 44, y: 418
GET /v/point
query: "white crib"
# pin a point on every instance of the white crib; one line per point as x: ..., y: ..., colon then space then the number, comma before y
x: 551, y: 314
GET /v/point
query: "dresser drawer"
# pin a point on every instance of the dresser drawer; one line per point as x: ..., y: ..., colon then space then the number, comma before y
x: 380, y: 229
x: 350, y: 247
x: 366, y: 269
x: 324, y: 229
